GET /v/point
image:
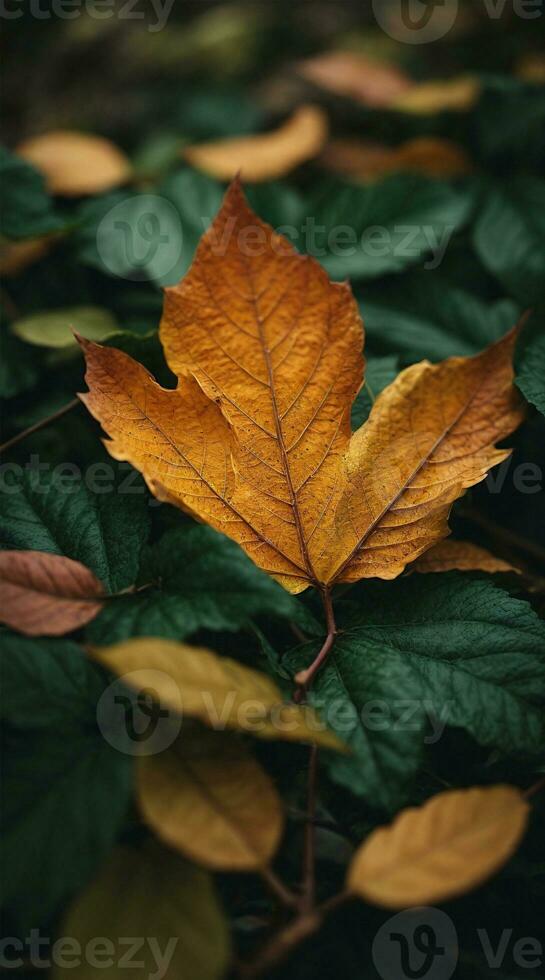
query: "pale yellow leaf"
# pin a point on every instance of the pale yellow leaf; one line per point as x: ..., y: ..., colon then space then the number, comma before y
x: 452, y: 95
x: 264, y: 156
x: 76, y: 163
x: 440, y: 850
x: 220, y: 692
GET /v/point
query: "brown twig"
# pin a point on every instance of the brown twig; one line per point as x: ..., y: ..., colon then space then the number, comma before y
x: 278, y: 888
x: 535, y: 789
x: 40, y: 425
x: 309, y: 856
x: 305, y: 677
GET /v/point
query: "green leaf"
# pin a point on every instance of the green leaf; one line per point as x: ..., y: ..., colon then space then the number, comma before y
x: 379, y: 373
x: 426, y: 317
x: 201, y: 580
x: 363, y: 697
x: 152, y: 893
x: 530, y: 360
x: 385, y: 227
x: 454, y: 649
x: 104, y: 527
x: 65, y: 789
x: 509, y: 235
x: 54, y: 328
x: 27, y: 209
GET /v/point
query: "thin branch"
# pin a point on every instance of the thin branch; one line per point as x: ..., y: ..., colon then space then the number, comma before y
x: 305, y: 677
x: 309, y: 855
x: 535, y: 789
x: 40, y: 425
x: 278, y: 888
x: 281, y: 945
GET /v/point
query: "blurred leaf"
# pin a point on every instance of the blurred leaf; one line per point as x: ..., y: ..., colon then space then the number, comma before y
x: 509, y: 235
x: 147, y: 892
x: 27, y: 209
x: 426, y: 317
x: 65, y: 789
x: 54, y: 328
x: 264, y: 156
x: 216, y: 690
x: 208, y: 798
x: 385, y: 227
x: 440, y: 850
x: 530, y: 360
x: 75, y: 163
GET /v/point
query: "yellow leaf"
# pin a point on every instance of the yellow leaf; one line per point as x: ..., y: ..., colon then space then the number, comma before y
x: 440, y: 850
x: 354, y: 75
x: 256, y: 438
x: 464, y: 556
x: 452, y: 95
x: 151, y: 893
x: 430, y: 435
x: 218, y: 691
x: 264, y: 156
x: 76, y: 163
x: 366, y: 161
x: 207, y: 797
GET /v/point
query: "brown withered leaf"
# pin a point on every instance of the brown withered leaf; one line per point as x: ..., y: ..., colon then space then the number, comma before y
x: 207, y: 797
x: 348, y: 73
x: 366, y: 161
x: 256, y: 439
x: 440, y: 850
x: 264, y: 156
x: 215, y: 690
x: 462, y: 556
x: 76, y: 163
x: 46, y: 595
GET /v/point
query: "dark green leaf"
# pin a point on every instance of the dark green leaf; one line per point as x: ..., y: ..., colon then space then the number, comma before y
x: 65, y: 789
x: 27, y: 209
x: 365, y: 232
x: 425, y: 317
x: 530, y: 360
x: 510, y: 237
x: 99, y: 518
x: 200, y: 579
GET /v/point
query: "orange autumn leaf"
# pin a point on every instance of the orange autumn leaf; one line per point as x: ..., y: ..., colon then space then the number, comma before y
x: 256, y: 438
x: 46, y: 595
x: 264, y: 156
x: 356, y: 76
x: 76, y: 163
x: 367, y: 161
x: 462, y: 556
